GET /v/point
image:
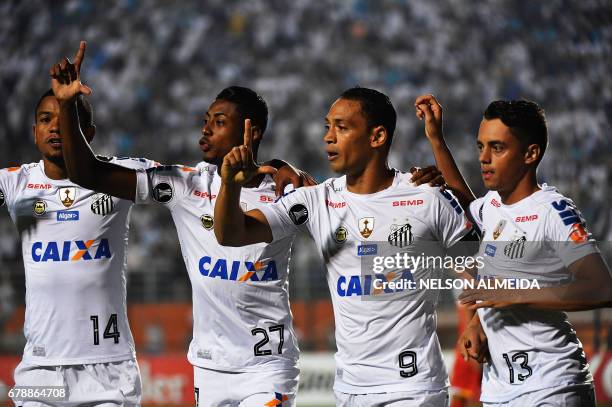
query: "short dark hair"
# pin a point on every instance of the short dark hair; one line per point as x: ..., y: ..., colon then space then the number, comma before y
x: 84, y: 109
x: 249, y: 104
x: 376, y: 107
x: 524, y: 118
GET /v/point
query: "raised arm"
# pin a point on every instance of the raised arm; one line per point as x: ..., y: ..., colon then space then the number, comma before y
x: 81, y: 163
x: 233, y: 227
x: 428, y: 108
x: 288, y: 174
x: 591, y: 288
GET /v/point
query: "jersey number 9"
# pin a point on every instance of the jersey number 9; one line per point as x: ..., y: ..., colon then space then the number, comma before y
x: 408, y: 361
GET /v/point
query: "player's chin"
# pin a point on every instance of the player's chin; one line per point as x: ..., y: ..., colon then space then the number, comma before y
x: 337, y: 167
x: 491, y: 185
x: 212, y: 158
x: 54, y: 155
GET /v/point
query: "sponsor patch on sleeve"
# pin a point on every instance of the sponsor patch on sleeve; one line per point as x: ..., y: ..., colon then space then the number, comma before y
x: 298, y: 214
x: 162, y: 192
x: 2, y: 200
x: 579, y: 233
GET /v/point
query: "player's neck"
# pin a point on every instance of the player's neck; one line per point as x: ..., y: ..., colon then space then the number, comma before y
x: 524, y: 188
x: 372, y: 179
x: 257, y: 180
x: 54, y: 170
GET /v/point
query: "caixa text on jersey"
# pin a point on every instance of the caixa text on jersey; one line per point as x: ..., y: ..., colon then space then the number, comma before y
x: 237, y: 270
x: 71, y: 250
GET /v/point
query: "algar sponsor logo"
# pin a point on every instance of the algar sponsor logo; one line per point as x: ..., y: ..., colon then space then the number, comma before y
x: 238, y: 270
x: 71, y: 250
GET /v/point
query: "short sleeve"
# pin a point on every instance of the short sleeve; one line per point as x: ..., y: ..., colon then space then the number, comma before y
x: 566, y: 229
x: 132, y: 163
x: 450, y: 223
x: 291, y: 213
x: 165, y: 185
x: 475, y: 212
x: 9, y: 181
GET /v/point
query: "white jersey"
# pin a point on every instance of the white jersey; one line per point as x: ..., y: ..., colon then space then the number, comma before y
x: 241, y: 316
x: 535, y: 238
x: 74, y: 252
x: 383, y: 345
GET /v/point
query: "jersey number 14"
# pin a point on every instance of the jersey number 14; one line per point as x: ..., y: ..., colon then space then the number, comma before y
x: 110, y: 332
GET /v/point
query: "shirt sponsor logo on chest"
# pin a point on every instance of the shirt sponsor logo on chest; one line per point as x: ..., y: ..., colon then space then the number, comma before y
x: 71, y: 250
x: 335, y: 205
x: 39, y: 186
x: 409, y: 202
x: 526, y: 218
x: 236, y: 270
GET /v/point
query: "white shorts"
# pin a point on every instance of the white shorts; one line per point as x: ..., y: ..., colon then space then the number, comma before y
x: 98, y: 384
x: 214, y: 388
x: 577, y: 395
x: 435, y: 398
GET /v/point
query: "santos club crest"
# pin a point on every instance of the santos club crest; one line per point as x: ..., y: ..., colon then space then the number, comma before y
x: 102, y: 204
x: 401, y: 235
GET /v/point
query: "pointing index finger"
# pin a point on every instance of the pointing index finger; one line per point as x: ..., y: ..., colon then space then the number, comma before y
x: 423, y: 99
x: 80, y: 54
x: 248, y: 134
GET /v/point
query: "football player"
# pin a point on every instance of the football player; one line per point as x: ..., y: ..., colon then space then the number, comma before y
x: 388, y: 350
x: 530, y: 232
x: 244, y: 349
x: 74, y: 243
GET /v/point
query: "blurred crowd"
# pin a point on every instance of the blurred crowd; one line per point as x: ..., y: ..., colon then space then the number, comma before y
x: 156, y: 65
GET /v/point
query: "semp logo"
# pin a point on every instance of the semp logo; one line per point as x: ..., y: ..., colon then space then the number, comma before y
x: 71, y: 250
x: 66, y: 216
x: 236, y: 270
x: 1, y: 198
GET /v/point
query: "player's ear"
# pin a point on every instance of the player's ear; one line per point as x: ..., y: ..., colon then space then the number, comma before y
x: 378, y: 136
x: 532, y: 154
x: 89, y: 133
x: 34, y: 133
x: 257, y: 134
